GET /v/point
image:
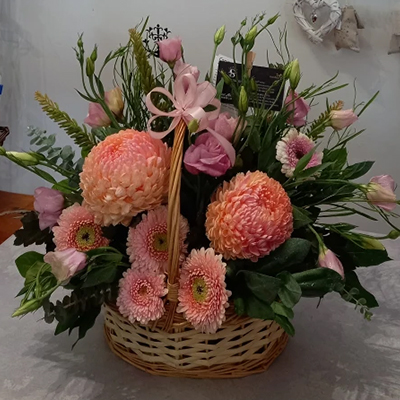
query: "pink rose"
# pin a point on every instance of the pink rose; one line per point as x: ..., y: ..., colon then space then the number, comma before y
x: 341, y: 119
x: 49, y: 204
x: 380, y: 191
x: 208, y: 156
x: 66, y: 263
x: 327, y: 259
x: 183, y: 68
x: 298, y: 107
x: 170, y: 50
x: 97, y: 117
x: 225, y: 125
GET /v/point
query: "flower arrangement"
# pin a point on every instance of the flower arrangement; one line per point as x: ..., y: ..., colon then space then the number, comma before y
x: 258, y: 191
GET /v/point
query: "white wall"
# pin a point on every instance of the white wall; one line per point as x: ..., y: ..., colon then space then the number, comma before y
x: 36, y: 38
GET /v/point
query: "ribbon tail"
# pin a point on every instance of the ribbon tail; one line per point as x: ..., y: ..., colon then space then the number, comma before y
x: 152, y: 108
x: 226, y: 145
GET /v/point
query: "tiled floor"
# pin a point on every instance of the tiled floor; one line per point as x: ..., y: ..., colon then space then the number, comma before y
x: 9, y: 222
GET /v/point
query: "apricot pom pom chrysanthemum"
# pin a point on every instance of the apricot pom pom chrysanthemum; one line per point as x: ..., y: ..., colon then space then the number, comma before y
x: 124, y: 175
x: 140, y: 296
x: 76, y: 229
x: 147, y: 245
x: 202, y: 296
x: 250, y: 217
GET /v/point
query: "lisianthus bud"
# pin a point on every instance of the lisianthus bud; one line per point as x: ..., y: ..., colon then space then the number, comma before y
x: 243, y: 102
x: 380, y: 192
x: 193, y: 125
x: 2, y: 151
x: 89, y: 67
x: 226, y: 78
x: 93, y: 56
x: 170, y: 50
x: 29, y: 306
x: 219, y: 35
x: 371, y: 243
x: 341, y: 119
x: 251, y: 35
x: 327, y: 259
x: 25, y: 158
x: 253, y: 85
x: 294, y: 76
x: 394, y: 234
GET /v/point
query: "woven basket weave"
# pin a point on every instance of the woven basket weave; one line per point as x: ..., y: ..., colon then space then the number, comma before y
x: 171, y: 346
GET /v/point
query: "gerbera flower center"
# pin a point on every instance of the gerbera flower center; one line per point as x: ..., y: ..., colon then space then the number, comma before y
x: 199, y: 290
x: 143, y: 291
x: 85, y: 236
x: 160, y: 242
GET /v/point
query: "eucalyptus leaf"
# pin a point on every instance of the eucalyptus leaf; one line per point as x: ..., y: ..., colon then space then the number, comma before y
x: 262, y: 286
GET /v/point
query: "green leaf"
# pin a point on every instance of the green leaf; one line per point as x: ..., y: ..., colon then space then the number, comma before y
x: 100, y: 275
x: 285, y: 324
x: 33, y: 271
x: 44, y: 175
x: 308, y: 172
x: 363, y: 257
x: 303, y: 162
x: 255, y: 308
x: 318, y: 282
x: 291, y: 253
x: 67, y: 153
x: 27, y: 260
x: 301, y: 217
x: 281, y: 309
x: 290, y: 292
x: 352, y: 282
x: 86, y: 321
x: 264, y: 287
x: 219, y: 88
x: 357, y: 170
x: 337, y: 157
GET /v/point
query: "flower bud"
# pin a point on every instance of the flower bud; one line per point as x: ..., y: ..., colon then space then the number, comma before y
x: 2, y: 151
x: 380, y: 192
x: 93, y: 56
x: 89, y: 67
x: 394, y: 234
x: 29, y: 306
x: 327, y: 259
x: 219, y: 35
x: 243, y: 104
x: 340, y: 119
x: 371, y: 243
x: 253, y: 85
x: 193, y: 125
x: 294, y: 76
x: 25, y: 158
x: 226, y: 78
x: 251, y: 35
x: 80, y: 42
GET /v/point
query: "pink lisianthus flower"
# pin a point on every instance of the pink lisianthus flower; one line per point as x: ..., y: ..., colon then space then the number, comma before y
x: 181, y: 68
x: 328, y: 259
x: 65, y: 264
x: 293, y: 146
x: 97, y: 117
x: 49, y: 204
x: 341, y: 119
x: 170, y: 50
x: 380, y: 191
x: 224, y: 125
x: 298, y: 107
x: 207, y: 156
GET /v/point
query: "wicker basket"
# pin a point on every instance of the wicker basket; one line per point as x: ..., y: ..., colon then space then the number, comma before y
x: 171, y: 346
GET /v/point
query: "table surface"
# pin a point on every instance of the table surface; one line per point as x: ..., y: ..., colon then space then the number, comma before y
x: 334, y: 355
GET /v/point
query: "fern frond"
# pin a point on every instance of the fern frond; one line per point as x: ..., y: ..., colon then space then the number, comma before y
x: 321, y: 123
x: 77, y: 133
x: 148, y: 82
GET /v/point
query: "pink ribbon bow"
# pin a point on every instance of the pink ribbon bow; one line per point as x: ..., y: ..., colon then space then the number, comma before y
x: 189, y: 100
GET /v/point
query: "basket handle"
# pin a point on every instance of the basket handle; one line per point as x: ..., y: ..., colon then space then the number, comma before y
x: 174, y: 212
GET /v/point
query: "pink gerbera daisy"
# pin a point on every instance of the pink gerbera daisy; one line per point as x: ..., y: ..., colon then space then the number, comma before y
x: 140, y: 296
x: 203, y: 297
x: 147, y: 245
x: 293, y: 146
x: 76, y: 229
